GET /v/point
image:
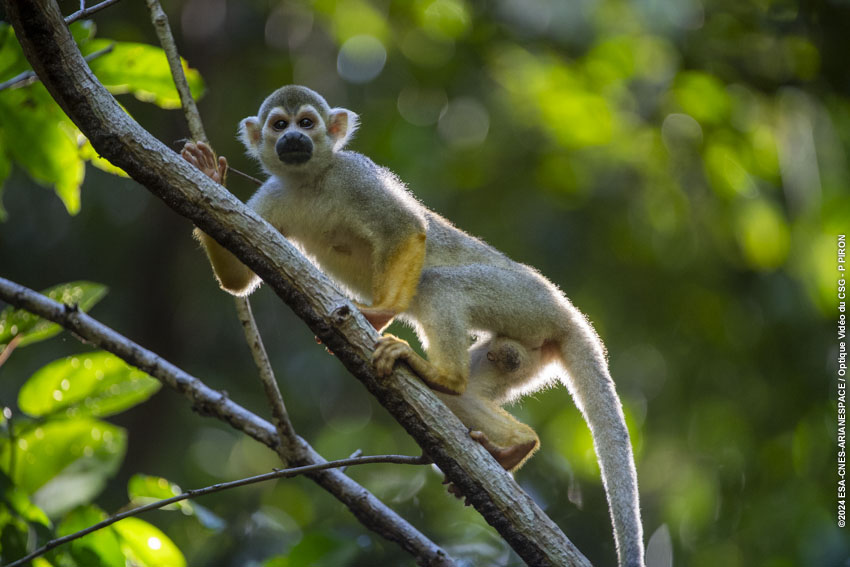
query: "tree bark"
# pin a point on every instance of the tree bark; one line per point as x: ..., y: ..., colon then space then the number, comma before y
x: 54, y: 56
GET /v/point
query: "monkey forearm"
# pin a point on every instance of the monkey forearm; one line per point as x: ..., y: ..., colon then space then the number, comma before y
x: 231, y: 274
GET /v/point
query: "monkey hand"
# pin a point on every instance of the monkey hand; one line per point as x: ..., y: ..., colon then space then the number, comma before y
x: 508, y: 457
x: 202, y: 156
x: 390, y: 348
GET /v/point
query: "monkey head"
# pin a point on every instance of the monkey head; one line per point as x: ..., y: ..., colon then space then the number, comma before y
x: 295, y: 130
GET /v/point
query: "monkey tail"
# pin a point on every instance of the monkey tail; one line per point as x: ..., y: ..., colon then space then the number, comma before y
x: 593, y: 390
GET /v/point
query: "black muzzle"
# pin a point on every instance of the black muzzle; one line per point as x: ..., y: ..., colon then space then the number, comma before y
x: 294, y: 148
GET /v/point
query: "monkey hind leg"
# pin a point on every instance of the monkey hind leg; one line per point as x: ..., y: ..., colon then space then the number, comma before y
x: 510, y: 441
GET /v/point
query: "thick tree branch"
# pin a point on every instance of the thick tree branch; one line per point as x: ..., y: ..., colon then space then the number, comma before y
x: 373, y: 513
x: 282, y: 473
x: 331, y: 316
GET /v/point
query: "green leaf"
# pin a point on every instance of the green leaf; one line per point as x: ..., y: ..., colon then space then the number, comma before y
x: 97, y: 384
x: 143, y: 489
x: 18, y: 501
x: 12, y: 60
x: 13, y: 541
x: 14, y: 322
x: 42, y: 140
x: 97, y: 549
x: 64, y: 463
x: 141, y: 70
x: 147, y: 546
x: 88, y: 153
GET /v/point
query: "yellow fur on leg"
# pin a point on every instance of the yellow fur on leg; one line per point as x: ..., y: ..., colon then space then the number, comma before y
x: 232, y: 275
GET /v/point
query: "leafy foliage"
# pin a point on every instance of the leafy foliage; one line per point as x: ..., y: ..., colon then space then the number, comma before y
x: 54, y: 462
x: 41, y: 139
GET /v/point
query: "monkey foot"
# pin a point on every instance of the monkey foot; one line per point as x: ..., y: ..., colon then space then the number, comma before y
x: 509, y: 457
x: 390, y: 348
x: 203, y: 157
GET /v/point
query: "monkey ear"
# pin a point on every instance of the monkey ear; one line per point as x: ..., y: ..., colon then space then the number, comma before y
x: 342, y: 123
x: 250, y: 132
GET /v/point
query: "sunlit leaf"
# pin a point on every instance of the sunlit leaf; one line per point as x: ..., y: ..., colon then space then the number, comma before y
x: 12, y: 60
x: 146, y: 545
x: 31, y: 328
x: 143, y: 489
x: 97, y: 549
x: 42, y: 140
x: 88, y: 153
x: 141, y: 70
x: 95, y: 384
x: 66, y: 462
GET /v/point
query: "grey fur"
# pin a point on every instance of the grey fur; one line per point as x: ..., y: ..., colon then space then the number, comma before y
x: 348, y: 214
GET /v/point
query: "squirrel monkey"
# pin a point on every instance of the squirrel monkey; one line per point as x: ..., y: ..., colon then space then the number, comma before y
x: 360, y: 224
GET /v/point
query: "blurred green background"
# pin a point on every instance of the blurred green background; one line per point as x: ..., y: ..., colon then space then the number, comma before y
x: 677, y: 167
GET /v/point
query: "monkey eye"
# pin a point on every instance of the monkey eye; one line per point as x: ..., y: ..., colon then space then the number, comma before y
x: 305, y: 123
x: 280, y: 125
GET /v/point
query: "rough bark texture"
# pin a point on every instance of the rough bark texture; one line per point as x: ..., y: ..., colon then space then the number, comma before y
x: 54, y: 56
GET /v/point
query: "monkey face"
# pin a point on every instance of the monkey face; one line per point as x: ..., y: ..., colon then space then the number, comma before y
x: 294, y: 128
x: 294, y: 135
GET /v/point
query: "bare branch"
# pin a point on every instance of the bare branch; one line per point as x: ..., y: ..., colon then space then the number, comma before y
x: 310, y: 294
x: 84, y: 12
x: 281, y: 473
x: 373, y: 513
x: 250, y: 178
x: 280, y: 417
x: 29, y: 77
x: 166, y: 40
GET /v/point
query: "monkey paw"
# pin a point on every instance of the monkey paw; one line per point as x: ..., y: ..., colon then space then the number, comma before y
x: 202, y: 156
x: 390, y: 348
x: 510, y: 457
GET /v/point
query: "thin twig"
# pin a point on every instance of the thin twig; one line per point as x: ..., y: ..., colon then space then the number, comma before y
x: 10, y: 346
x: 281, y: 473
x: 84, y: 12
x: 280, y: 417
x: 244, y: 175
x: 29, y: 77
x: 166, y: 40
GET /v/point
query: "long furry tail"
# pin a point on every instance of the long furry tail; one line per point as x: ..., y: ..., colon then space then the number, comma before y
x: 593, y: 390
